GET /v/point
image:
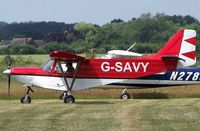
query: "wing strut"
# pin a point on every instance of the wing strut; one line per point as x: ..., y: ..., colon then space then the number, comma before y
x: 69, y: 87
x: 74, y: 76
x: 66, y: 82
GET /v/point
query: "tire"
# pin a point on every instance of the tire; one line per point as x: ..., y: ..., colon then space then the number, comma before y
x: 69, y: 99
x: 125, y: 96
x: 25, y: 100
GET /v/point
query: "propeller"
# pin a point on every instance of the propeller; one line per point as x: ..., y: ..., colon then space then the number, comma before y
x: 9, y: 79
x: 8, y: 61
x: 8, y: 72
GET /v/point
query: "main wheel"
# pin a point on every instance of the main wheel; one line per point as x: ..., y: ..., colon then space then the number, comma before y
x: 69, y: 99
x: 25, y: 99
x: 125, y: 96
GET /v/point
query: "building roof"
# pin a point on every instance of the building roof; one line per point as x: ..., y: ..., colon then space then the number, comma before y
x: 20, y: 41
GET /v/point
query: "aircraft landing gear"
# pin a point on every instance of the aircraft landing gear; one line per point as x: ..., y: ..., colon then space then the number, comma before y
x: 125, y: 95
x: 61, y: 97
x: 68, y: 98
x: 26, y: 99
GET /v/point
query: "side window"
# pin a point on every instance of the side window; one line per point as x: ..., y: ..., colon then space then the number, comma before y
x: 67, y: 66
x: 57, y: 69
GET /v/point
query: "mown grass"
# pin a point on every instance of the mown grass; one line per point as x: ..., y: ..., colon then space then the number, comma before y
x: 107, y: 114
x: 54, y: 115
x: 17, y: 90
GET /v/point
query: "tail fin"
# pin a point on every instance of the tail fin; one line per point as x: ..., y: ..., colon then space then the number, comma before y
x: 182, y: 46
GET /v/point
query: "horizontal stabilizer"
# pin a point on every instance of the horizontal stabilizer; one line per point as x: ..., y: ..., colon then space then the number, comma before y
x: 124, y: 53
x: 172, y: 58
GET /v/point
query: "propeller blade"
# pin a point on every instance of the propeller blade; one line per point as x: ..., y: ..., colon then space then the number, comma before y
x: 9, y: 85
x: 8, y: 72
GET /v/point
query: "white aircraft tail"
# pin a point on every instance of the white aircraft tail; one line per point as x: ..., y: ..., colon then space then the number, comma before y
x: 188, y: 49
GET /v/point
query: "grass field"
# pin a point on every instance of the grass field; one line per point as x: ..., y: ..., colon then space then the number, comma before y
x: 113, y: 115
x: 151, y: 110
x: 35, y: 58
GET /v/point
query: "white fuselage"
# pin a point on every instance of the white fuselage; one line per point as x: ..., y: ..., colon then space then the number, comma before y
x: 57, y: 83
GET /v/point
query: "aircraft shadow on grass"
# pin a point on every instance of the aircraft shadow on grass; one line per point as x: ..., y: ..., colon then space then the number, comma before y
x: 85, y: 102
x: 150, y: 95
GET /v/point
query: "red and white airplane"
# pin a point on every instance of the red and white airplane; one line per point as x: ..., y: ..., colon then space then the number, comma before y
x: 70, y: 72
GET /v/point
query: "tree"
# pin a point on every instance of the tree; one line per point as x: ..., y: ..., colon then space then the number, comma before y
x: 183, y: 20
x: 22, y: 49
x: 116, y: 21
x: 35, y: 30
x: 84, y: 28
x: 55, y: 36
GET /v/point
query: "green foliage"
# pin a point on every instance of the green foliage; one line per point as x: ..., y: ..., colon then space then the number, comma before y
x: 84, y: 28
x: 116, y: 21
x: 149, y: 32
x: 19, y: 49
x: 89, y: 55
x: 36, y: 30
x: 17, y: 60
x: 7, y: 60
x: 20, y: 60
x: 51, y: 46
x: 147, y: 48
x: 22, y: 49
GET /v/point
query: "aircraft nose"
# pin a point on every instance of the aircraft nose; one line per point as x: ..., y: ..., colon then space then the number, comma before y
x: 7, y: 71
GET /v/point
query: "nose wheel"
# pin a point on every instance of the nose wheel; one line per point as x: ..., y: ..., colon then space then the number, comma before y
x: 125, y: 95
x: 26, y: 99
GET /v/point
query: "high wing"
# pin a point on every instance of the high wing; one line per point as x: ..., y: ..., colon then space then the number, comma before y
x: 61, y: 55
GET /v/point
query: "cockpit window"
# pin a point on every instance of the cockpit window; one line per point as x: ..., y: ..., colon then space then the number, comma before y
x: 47, y: 65
x: 67, y: 66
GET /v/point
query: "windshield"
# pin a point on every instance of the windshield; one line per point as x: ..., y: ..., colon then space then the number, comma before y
x: 47, y: 65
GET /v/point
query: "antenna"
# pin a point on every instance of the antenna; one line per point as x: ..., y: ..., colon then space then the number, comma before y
x: 131, y: 47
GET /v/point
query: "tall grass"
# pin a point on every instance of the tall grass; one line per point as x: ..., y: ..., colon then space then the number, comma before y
x: 17, y: 90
